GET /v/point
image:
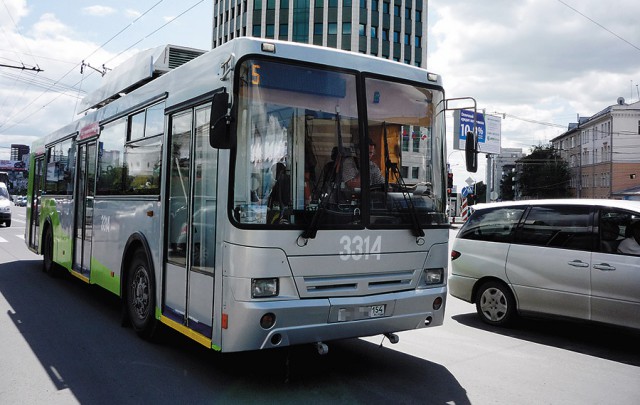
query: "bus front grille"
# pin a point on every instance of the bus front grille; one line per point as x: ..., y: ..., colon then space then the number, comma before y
x: 352, y: 285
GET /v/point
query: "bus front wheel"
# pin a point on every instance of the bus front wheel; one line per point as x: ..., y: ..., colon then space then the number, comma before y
x: 140, y: 297
x: 48, y: 265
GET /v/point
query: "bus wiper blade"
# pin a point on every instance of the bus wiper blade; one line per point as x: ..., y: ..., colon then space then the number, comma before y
x: 312, y: 229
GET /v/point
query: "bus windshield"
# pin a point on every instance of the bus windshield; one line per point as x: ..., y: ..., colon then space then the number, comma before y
x: 305, y: 152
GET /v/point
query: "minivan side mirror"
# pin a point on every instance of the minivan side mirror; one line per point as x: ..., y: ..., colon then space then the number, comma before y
x: 471, y: 152
x: 220, y: 124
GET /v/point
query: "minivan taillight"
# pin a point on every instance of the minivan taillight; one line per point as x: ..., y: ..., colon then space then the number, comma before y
x: 455, y: 254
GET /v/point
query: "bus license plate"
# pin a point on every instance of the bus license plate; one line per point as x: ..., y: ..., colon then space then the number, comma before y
x: 376, y: 311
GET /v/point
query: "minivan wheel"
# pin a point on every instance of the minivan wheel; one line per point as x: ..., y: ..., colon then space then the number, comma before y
x: 495, y: 303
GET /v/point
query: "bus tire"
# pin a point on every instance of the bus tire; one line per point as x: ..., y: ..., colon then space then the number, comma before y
x: 48, y: 265
x: 140, y: 296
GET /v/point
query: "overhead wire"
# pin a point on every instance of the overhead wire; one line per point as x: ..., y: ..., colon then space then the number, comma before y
x: 71, y: 70
x: 532, y: 121
x: 600, y: 25
x: 91, y: 72
x: 23, y: 72
x: 18, y: 31
x: 158, y: 29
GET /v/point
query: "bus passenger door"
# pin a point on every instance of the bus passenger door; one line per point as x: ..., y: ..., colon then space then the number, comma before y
x: 84, y: 208
x: 34, y: 219
x: 191, y: 216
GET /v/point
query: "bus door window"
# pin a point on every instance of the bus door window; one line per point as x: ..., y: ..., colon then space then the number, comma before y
x: 179, y: 181
x: 203, y: 219
x: 35, y: 202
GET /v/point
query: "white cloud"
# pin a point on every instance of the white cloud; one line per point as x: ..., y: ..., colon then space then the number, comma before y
x: 48, y: 27
x: 535, y: 59
x: 12, y: 12
x: 100, y: 11
x: 131, y: 13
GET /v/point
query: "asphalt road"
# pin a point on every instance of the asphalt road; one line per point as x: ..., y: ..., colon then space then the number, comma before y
x: 61, y: 343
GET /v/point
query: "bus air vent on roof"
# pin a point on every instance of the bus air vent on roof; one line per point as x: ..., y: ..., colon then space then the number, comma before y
x: 138, y: 70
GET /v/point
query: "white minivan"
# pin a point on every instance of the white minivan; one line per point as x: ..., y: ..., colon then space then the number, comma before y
x: 5, y: 205
x: 566, y: 258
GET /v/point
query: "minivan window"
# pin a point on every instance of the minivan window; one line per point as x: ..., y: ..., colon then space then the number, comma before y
x: 564, y: 227
x: 614, y: 227
x: 492, y: 225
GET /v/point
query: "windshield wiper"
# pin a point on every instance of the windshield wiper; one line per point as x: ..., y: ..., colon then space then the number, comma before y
x: 391, y: 168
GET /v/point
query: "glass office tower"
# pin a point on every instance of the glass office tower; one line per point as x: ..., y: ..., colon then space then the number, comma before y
x: 390, y: 29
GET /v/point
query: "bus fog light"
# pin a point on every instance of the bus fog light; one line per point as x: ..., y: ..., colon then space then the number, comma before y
x: 437, y: 303
x: 264, y: 287
x: 268, y: 320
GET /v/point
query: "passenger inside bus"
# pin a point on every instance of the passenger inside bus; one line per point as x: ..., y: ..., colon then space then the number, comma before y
x: 332, y: 185
x: 351, y: 172
x: 279, y: 200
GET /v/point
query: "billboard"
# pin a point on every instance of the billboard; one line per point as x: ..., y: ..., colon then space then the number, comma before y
x: 12, y: 165
x: 488, y: 128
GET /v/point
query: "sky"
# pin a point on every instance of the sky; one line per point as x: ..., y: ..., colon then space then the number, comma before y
x: 537, y: 64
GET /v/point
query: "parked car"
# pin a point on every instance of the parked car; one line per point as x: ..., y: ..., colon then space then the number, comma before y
x: 21, y: 201
x: 5, y: 205
x: 552, y: 257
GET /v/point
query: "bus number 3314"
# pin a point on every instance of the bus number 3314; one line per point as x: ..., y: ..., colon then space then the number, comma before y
x: 357, y: 247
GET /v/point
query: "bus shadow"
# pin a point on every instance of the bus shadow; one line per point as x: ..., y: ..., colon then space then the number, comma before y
x: 597, y: 340
x: 74, y: 331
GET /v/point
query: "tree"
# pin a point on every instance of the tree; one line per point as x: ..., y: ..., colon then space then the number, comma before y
x: 543, y: 174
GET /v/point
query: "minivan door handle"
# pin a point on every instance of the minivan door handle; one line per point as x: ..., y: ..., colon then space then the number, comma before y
x: 578, y: 263
x: 604, y: 267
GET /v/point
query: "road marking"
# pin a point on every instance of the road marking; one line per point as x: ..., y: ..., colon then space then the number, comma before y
x: 2, y: 240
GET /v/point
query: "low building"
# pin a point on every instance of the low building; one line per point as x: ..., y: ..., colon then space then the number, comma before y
x: 603, y: 152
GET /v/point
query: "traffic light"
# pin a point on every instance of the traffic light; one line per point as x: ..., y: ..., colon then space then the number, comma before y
x: 450, y: 180
x: 471, y: 199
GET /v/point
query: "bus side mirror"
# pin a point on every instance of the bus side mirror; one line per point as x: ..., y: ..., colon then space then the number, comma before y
x: 220, y: 129
x: 471, y: 152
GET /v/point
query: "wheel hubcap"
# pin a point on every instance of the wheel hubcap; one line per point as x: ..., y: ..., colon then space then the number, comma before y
x: 493, y: 304
x: 140, y: 293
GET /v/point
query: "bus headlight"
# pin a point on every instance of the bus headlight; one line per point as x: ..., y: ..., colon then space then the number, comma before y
x: 264, y: 287
x: 432, y: 277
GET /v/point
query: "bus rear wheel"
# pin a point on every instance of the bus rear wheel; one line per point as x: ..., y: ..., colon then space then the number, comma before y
x: 140, y: 296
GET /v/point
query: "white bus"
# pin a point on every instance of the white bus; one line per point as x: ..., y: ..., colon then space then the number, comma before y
x: 260, y: 195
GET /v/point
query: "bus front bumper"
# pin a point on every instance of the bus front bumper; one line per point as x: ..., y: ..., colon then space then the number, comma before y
x: 320, y: 320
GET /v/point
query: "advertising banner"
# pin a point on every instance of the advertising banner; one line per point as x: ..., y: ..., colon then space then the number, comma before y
x: 487, y: 127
